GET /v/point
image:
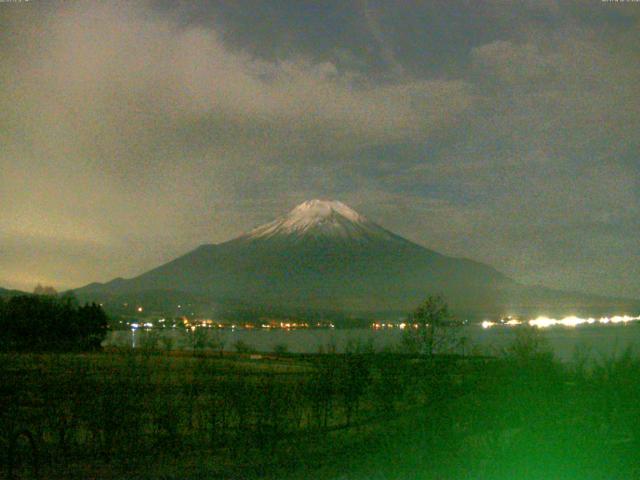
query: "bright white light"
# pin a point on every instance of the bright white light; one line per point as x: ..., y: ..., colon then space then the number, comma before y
x: 623, y: 319
x: 488, y: 324
x: 573, y: 321
x: 542, y: 322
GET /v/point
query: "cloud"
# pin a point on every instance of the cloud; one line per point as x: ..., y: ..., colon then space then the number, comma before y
x: 130, y: 135
x: 548, y: 155
x: 123, y: 124
x: 109, y: 83
x: 386, y: 49
x: 502, y: 63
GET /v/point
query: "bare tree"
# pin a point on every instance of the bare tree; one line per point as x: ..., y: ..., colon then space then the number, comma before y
x: 429, y: 328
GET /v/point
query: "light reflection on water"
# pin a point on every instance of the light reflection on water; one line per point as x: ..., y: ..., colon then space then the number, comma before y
x: 599, y: 339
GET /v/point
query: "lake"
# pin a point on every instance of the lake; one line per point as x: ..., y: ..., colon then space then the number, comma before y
x: 600, y: 341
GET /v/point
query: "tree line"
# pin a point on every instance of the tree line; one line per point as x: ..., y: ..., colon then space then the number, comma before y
x: 49, y: 323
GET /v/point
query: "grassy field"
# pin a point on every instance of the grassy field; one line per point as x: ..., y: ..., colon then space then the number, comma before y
x: 120, y: 414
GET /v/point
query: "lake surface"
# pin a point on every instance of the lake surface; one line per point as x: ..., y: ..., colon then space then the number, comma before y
x: 599, y: 341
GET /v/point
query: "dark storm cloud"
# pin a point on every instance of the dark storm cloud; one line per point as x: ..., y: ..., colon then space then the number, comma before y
x: 502, y: 131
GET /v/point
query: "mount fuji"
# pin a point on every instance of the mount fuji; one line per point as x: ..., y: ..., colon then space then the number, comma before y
x: 323, y: 256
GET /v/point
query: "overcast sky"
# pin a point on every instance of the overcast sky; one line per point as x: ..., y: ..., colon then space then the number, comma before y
x: 504, y: 131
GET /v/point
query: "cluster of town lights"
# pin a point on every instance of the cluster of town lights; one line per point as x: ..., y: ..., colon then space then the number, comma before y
x: 401, y: 326
x: 193, y: 324
x: 572, y: 321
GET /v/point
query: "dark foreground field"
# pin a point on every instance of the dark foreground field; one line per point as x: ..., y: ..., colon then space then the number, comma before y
x: 354, y: 416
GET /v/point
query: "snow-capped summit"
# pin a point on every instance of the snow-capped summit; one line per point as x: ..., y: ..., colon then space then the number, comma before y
x: 321, y: 218
x: 313, y: 210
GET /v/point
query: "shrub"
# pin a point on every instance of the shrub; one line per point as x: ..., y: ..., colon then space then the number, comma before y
x: 280, y: 349
x: 243, y: 347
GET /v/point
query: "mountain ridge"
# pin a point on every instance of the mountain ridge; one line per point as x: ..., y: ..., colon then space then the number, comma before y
x: 324, y: 255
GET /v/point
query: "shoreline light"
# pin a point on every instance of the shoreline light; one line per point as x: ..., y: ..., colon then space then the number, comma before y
x: 570, y: 321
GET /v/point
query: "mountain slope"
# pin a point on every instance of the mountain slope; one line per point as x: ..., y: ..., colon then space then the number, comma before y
x: 5, y: 293
x: 323, y: 255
